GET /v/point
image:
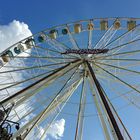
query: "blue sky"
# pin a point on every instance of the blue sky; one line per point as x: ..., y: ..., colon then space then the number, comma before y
x: 46, y: 13
x: 42, y: 14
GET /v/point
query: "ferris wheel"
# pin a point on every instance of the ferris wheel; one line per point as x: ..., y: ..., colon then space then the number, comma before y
x: 86, y: 72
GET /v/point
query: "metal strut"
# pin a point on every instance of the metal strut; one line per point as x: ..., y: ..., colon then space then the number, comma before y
x: 105, y: 103
x: 40, y: 83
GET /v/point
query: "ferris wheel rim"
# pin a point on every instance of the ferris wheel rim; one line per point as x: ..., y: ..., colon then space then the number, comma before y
x: 97, y: 62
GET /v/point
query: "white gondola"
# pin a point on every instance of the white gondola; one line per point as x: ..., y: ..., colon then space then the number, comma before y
x: 42, y: 37
x: 7, y: 56
x: 19, y: 49
x: 30, y: 43
x: 53, y: 34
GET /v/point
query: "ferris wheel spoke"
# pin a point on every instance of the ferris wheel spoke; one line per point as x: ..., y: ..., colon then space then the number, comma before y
x: 45, y: 80
x: 107, y: 36
x: 124, y: 93
x: 26, y: 80
x: 55, y: 43
x: 89, y: 45
x: 42, y: 57
x: 69, y: 93
x: 124, y: 96
x: 48, y: 49
x: 100, y: 113
x: 121, y: 36
x: 122, y: 81
x: 62, y: 97
x: 118, y: 54
x: 72, y: 39
x: 59, y: 101
x: 29, y: 102
x: 116, y: 133
x: 55, y: 51
x: 122, y: 68
x: 47, y: 53
x: 124, y: 45
x: 105, y: 77
x: 119, y: 59
x: 48, y: 107
x: 80, y: 118
x: 71, y: 90
x: 29, y: 110
x: 126, y: 106
x: 119, y: 119
x: 31, y: 94
x: 58, y: 43
x: 38, y: 54
x: 34, y: 67
x: 132, y: 64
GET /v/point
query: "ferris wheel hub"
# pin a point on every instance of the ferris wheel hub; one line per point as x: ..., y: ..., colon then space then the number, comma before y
x: 85, y: 51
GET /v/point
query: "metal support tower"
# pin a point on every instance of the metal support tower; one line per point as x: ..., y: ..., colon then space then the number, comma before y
x: 105, y: 103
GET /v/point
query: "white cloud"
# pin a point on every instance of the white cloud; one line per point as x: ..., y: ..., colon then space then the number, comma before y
x: 12, y: 33
x: 9, y: 35
x: 56, y: 130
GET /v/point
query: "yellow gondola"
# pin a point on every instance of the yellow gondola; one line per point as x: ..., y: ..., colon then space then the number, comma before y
x: 77, y: 28
x: 131, y: 24
x: 117, y: 24
x: 103, y: 24
x: 90, y: 26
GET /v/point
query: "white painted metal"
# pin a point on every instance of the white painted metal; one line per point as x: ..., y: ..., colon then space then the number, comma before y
x: 69, y: 93
x: 52, y: 107
x: 109, y: 122
x: 100, y: 113
x: 43, y: 84
x: 106, y: 37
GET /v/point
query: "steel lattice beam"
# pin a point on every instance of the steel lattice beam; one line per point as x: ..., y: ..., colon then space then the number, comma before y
x: 105, y: 103
x: 40, y: 83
